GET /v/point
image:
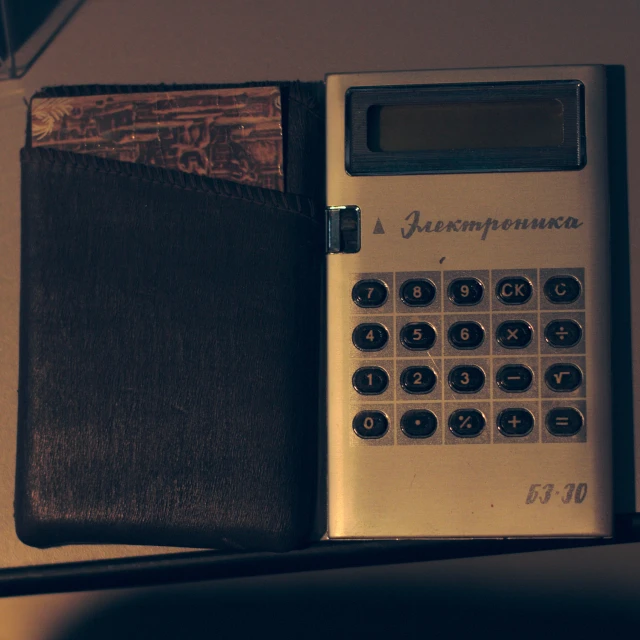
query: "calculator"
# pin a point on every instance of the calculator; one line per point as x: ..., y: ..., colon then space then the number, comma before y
x: 468, y: 330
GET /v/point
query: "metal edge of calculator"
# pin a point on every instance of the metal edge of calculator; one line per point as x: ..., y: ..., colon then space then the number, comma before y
x: 347, y: 512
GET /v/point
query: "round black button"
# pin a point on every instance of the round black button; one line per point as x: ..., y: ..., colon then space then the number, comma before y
x: 419, y: 423
x: 514, y: 378
x: 466, y: 291
x: 563, y: 377
x: 514, y: 290
x: 418, y: 336
x: 418, y: 379
x: 466, y: 335
x: 466, y: 423
x: 563, y: 333
x: 564, y: 421
x: 370, y: 424
x: 466, y: 378
x: 418, y: 293
x: 514, y: 334
x: 369, y: 293
x: 370, y: 381
x: 515, y: 422
x: 370, y: 337
x: 562, y: 289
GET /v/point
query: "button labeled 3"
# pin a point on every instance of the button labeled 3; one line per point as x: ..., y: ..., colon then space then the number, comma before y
x: 466, y: 379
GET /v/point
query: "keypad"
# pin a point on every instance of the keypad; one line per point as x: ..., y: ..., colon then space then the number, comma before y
x: 495, y: 357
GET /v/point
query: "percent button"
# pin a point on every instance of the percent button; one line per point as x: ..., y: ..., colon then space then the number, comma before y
x: 466, y: 423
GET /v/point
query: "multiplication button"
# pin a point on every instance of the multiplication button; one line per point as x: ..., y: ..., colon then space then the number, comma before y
x: 563, y: 333
x: 514, y: 334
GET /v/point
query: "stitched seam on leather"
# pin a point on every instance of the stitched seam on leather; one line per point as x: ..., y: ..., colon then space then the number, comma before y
x: 186, y: 181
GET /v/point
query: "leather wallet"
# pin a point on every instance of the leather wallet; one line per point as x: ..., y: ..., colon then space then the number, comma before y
x: 170, y: 348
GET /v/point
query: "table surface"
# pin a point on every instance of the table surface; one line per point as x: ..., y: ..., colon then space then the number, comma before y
x: 153, y: 41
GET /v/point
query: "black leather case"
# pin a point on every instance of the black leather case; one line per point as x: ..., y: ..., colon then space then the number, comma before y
x: 169, y: 351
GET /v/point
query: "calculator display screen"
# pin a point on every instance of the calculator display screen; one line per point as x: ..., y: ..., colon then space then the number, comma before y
x: 465, y: 125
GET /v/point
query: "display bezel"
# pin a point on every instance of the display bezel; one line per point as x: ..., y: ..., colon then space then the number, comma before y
x: 570, y: 155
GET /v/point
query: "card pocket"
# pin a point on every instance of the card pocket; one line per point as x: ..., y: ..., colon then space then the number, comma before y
x: 169, y: 358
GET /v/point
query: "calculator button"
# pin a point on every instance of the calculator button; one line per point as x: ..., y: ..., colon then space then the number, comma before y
x: 466, y: 379
x: 564, y: 421
x: 370, y: 381
x: 515, y: 422
x: 562, y: 289
x: 563, y: 377
x: 466, y: 291
x: 466, y: 423
x: 466, y: 335
x: 418, y: 293
x: 514, y: 290
x: 370, y: 337
x: 370, y: 424
x: 419, y: 423
x: 514, y: 334
x: 514, y: 378
x: 563, y: 333
x: 369, y: 293
x: 418, y: 336
x: 418, y: 379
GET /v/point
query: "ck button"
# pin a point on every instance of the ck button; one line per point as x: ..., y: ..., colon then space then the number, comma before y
x: 562, y: 289
x: 563, y: 333
x: 514, y: 334
x: 563, y: 377
x: 514, y: 290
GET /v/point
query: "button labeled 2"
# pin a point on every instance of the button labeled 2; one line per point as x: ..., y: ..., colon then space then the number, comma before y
x: 418, y: 379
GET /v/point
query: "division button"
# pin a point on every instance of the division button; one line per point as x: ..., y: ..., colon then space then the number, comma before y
x: 466, y: 335
x: 515, y: 422
x: 562, y: 289
x: 563, y: 377
x: 418, y: 379
x: 514, y: 334
x: 418, y: 336
x: 466, y: 423
x: 418, y: 293
x: 563, y: 333
x: 419, y: 423
x: 369, y: 293
x: 466, y: 291
x: 564, y: 421
x: 466, y: 378
x: 370, y: 424
x: 514, y: 290
x: 370, y: 337
x: 370, y: 381
x: 514, y: 378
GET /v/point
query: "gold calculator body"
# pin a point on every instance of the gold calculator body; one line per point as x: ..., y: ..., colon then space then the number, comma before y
x: 468, y: 304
